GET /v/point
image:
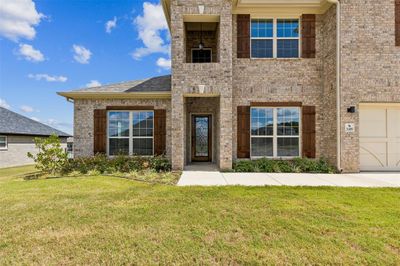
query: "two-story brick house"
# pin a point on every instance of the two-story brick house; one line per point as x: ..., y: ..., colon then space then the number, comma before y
x: 260, y: 78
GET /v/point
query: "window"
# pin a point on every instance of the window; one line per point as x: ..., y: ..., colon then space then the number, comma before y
x: 275, y: 132
x: 201, y: 55
x: 3, y: 142
x: 275, y: 38
x: 262, y: 36
x: 130, y: 133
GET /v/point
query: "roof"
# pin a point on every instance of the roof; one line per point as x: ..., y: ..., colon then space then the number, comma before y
x: 155, y: 87
x: 16, y: 124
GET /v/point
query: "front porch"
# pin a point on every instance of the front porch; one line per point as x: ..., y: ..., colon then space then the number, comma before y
x: 202, y: 130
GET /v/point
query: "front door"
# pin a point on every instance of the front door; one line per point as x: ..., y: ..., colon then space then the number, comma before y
x: 201, y: 138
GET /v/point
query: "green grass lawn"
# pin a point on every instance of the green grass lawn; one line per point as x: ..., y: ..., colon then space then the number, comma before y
x: 109, y: 220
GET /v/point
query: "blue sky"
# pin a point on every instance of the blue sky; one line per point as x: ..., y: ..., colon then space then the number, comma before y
x: 59, y: 45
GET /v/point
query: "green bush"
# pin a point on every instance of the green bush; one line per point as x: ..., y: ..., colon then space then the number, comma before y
x: 297, y: 165
x: 265, y: 165
x: 119, y: 164
x: 51, y: 157
x: 160, y: 164
x: 283, y: 166
x: 244, y: 166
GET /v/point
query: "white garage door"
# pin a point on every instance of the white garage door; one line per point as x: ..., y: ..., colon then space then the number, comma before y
x: 380, y: 137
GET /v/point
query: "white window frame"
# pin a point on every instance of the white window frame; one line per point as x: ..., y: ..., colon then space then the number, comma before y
x: 275, y: 37
x: 130, y: 137
x: 197, y: 49
x: 275, y: 135
x: 6, y: 142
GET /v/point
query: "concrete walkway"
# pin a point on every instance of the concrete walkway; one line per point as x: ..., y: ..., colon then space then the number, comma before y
x: 214, y: 178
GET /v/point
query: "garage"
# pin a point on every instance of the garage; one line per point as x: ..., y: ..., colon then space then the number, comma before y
x: 380, y: 137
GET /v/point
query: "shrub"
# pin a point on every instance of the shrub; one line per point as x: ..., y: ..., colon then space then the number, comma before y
x: 51, y: 157
x: 160, y: 164
x: 282, y: 166
x: 265, y: 165
x: 122, y: 164
x: 244, y: 166
x: 297, y: 165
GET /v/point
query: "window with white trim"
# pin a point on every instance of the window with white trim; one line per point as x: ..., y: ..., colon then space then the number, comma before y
x: 275, y: 132
x: 130, y: 133
x: 275, y: 38
x: 3, y: 143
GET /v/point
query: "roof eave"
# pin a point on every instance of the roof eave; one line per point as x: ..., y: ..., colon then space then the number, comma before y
x: 115, y: 95
x: 64, y: 135
x: 167, y: 12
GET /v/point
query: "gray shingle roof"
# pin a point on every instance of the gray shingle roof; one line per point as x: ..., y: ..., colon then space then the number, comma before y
x: 155, y: 84
x: 13, y: 123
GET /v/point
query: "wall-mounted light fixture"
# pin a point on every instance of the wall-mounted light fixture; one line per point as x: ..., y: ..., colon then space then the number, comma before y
x: 351, y: 109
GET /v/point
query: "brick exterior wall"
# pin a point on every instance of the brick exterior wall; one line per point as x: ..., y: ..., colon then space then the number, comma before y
x: 370, y: 65
x: 216, y: 76
x: 83, y: 121
x: 370, y: 72
x: 310, y: 81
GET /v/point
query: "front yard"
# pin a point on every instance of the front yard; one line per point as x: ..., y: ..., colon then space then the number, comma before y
x: 110, y: 220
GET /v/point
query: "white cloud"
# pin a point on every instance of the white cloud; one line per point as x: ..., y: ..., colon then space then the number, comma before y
x: 164, y: 63
x: 48, y: 78
x: 30, y: 53
x: 150, y: 27
x: 27, y: 109
x: 18, y: 19
x: 93, y: 83
x: 111, y: 24
x: 81, y: 54
x: 63, y: 126
x: 35, y: 119
x: 4, y: 104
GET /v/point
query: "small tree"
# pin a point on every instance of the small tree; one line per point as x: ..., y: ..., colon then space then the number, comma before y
x: 51, y: 156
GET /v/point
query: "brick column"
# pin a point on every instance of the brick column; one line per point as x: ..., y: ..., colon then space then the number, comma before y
x: 178, y: 123
x: 225, y: 136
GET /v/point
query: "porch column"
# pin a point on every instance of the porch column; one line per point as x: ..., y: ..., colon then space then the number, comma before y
x: 178, y: 122
x: 225, y: 136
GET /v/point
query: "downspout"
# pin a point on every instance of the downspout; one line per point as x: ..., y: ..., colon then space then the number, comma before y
x: 338, y: 86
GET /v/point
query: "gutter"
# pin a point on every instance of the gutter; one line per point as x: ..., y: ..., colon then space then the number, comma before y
x: 338, y: 86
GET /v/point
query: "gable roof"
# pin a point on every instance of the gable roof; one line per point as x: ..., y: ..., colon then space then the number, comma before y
x: 155, y: 86
x: 16, y: 124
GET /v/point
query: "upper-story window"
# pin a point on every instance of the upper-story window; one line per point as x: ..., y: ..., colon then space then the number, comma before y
x: 275, y: 38
x: 201, y: 42
x: 203, y: 55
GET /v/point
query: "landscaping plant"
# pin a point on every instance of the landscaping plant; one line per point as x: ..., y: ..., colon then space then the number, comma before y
x: 297, y: 165
x: 51, y: 157
x: 120, y: 164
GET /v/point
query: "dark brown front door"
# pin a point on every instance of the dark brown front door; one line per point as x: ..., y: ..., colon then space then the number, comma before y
x: 201, y: 138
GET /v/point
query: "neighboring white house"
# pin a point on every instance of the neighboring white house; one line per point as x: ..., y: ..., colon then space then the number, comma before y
x: 17, y: 134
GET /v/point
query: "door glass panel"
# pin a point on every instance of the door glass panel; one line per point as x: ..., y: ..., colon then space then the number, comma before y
x: 201, y: 148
